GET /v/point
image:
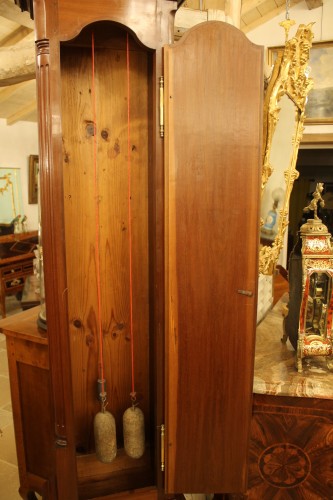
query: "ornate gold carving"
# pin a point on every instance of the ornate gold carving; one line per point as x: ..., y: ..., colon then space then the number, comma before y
x: 318, y: 264
x: 289, y: 86
x: 316, y: 245
x: 298, y: 84
x: 314, y: 227
x: 316, y: 347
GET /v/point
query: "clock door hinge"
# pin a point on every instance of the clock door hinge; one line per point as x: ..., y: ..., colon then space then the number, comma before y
x: 161, y: 81
x: 162, y: 447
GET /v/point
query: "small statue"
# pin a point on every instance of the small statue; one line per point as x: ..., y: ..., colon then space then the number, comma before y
x: 317, y: 198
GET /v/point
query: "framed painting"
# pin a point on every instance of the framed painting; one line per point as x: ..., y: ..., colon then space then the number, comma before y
x: 33, y: 178
x: 319, y: 107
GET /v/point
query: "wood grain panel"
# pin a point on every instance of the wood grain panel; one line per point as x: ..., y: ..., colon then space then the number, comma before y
x: 37, y: 421
x: 291, y: 449
x: 140, y: 16
x: 80, y: 207
x: 96, y: 478
x: 32, y: 405
x: 213, y: 141
x: 142, y: 494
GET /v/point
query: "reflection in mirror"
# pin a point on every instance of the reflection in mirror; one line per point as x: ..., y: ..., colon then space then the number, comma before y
x: 280, y: 155
x: 283, y: 128
x: 320, y: 290
x: 314, y: 334
x: 10, y: 198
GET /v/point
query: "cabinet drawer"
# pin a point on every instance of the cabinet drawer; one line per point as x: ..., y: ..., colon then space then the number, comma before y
x: 27, y: 268
x: 14, y: 282
x: 7, y: 271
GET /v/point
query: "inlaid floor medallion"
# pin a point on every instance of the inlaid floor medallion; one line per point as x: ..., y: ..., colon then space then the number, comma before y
x: 284, y: 465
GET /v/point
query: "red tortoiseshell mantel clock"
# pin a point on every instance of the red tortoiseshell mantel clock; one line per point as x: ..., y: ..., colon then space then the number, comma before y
x: 315, y: 321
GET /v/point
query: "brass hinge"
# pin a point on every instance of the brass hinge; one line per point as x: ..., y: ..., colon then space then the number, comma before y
x: 162, y: 448
x: 161, y: 80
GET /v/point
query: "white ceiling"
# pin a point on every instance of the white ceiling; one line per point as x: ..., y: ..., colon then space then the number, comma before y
x: 18, y: 93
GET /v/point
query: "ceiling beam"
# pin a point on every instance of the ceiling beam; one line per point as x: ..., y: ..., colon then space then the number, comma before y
x: 17, y: 64
x: 205, y: 4
x: 313, y: 4
x: 22, y: 113
x: 248, y: 5
x: 7, y: 92
x: 15, y: 36
x: 267, y: 17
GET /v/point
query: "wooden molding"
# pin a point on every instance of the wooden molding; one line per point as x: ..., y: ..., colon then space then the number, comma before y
x: 24, y: 111
x: 317, y: 139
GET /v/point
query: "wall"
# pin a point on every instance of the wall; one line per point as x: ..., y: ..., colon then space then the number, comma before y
x: 17, y: 143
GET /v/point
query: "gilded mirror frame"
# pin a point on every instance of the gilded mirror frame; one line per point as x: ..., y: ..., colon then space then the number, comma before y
x: 289, y: 78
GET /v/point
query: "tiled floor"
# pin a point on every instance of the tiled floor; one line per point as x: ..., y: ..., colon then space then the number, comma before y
x: 9, y: 482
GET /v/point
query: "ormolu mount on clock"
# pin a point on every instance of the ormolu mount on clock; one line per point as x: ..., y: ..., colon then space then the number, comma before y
x: 308, y: 323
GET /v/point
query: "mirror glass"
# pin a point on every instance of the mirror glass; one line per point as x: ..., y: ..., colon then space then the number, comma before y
x: 280, y: 157
x: 284, y: 114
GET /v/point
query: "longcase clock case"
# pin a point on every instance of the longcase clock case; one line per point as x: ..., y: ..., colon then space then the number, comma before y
x: 186, y: 268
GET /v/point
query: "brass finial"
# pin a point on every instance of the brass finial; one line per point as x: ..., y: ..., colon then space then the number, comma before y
x: 317, y: 198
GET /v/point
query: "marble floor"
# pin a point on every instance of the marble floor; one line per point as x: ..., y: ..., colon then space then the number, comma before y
x: 9, y: 482
x: 275, y: 369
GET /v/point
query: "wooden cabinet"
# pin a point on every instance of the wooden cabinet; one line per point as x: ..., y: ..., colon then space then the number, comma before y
x: 139, y: 240
x: 13, y: 278
x: 28, y: 364
x: 16, y: 264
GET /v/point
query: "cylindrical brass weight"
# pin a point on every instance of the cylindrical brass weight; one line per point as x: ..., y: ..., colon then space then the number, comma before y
x: 134, y: 432
x: 105, y: 436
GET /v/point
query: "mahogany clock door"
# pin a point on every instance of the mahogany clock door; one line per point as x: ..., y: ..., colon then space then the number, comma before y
x: 213, y: 102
